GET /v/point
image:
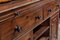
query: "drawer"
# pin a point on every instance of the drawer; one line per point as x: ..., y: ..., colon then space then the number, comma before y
x: 53, y: 6
x: 26, y: 14
x: 5, y: 16
x: 29, y: 19
x: 7, y: 27
x: 29, y: 36
x: 49, y: 8
x: 39, y: 15
x: 25, y: 22
x: 22, y: 12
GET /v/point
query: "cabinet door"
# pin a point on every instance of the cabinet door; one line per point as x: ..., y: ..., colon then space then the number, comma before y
x: 7, y: 27
x: 54, y: 27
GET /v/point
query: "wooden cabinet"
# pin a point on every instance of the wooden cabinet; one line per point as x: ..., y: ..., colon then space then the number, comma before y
x: 29, y: 20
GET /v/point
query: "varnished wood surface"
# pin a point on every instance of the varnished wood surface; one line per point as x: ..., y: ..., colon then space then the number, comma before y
x: 26, y: 18
x: 31, y: 27
x: 7, y: 7
x: 54, y: 27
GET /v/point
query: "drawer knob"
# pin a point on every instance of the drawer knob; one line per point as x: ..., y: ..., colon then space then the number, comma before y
x: 49, y: 10
x: 17, y: 28
x: 37, y: 17
x: 17, y: 13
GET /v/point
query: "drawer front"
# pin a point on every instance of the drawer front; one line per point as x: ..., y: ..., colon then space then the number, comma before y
x: 53, y: 6
x: 29, y: 19
x: 54, y: 27
x: 24, y: 23
x: 29, y: 36
x: 39, y: 15
x: 22, y: 12
x: 49, y: 8
x: 7, y: 29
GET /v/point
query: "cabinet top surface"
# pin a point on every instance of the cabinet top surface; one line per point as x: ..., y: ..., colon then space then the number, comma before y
x: 13, y: 5
x: 16, y: 4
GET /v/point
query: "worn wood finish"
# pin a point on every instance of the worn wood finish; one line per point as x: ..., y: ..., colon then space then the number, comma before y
x: 18, y: 20
x: 50, y: 7
x: 54, y: 26
x: 28, y: 16
x: 7, y: 29
x: 53, y: 6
